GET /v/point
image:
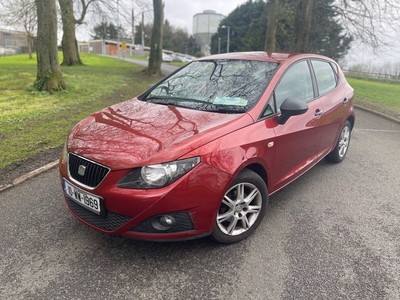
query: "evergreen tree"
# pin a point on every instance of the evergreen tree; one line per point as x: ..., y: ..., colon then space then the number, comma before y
x: 147, y: 34
x: 174, y: 38
x: 107, y: 31
x: 247, y: 28
x: 248, y: 24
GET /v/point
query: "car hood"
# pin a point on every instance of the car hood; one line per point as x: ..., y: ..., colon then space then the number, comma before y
x: 136, y: 133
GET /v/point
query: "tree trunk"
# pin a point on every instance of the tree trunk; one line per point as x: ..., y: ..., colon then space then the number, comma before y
x: 30, y: 42
x: 69, y: 43
x: 303, y: 26
x: 49, y: 77
x: 155, y: 58
x: 272, y: 22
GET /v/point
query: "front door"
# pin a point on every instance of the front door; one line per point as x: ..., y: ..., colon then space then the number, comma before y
x: 298, y: 140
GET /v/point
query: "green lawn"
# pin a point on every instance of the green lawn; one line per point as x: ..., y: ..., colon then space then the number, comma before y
x: 141, y: 57
x: 32, y: 121
x: 378, y: 95
x: 177, y: 63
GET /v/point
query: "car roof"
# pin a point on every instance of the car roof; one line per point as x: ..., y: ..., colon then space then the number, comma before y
x: 276, y: 57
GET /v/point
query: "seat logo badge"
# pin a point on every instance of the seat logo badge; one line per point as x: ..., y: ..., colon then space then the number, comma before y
x: 82, y: 170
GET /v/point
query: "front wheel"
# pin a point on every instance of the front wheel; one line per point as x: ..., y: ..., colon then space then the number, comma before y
x: 242, y: 208
x: 339, y: 152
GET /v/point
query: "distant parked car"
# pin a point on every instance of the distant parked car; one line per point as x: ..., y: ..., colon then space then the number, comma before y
x: 166, y: 57
x: 199, y: 153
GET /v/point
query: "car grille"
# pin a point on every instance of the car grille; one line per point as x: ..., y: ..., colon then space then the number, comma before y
x: 93, y: 175
x: 110, y: 222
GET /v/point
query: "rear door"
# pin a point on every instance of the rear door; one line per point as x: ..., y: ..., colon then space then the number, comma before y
x: 333, y: 100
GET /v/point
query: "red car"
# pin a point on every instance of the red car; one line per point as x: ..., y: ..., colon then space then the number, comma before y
x: 198, y: 153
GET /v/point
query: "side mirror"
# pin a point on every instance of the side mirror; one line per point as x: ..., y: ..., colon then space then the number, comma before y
x: 291, y: 107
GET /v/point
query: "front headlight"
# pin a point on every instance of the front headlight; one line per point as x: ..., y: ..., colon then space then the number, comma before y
x: 158, y: 175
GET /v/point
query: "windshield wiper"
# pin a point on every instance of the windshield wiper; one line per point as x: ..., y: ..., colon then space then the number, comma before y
x: 207, y: 106
x: 170, y: 99
x: 225, y: 109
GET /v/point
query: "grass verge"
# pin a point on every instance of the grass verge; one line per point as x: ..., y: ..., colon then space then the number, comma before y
x: 32, y: 122
x: 383, y: 97
x: 141, y: 57
x: 177, y: 63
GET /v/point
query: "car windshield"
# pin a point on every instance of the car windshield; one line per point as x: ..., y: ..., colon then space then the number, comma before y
x: 227, y: 86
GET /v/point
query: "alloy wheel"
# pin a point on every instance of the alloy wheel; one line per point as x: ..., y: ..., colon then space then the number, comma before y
x: 239, y: 209
x: 344, y: 141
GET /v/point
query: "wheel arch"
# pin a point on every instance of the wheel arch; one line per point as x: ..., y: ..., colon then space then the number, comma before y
x: 351, y: 119
x: 259, y: 169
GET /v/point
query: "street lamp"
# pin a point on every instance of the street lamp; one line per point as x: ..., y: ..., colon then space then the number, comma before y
x: 227, y: 44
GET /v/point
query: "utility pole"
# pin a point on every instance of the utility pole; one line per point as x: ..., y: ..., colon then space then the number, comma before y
x: 118, y: 28
x: 133, y: 27
x: 103, y: 48
x: 133, y: 30
x: 229, y: 35
x: 143, y: 30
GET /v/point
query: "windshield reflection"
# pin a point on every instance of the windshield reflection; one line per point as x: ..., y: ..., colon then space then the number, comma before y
x: 217, y: 85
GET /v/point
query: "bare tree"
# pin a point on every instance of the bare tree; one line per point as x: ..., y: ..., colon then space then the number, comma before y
x: 155, y: 58
x: 303, y: 25
x: 370, y: 21
x: 69, y: 9
x: 49, y: 77
x: 272, y: 22
x: 69, y: 42
x: 20, y: 14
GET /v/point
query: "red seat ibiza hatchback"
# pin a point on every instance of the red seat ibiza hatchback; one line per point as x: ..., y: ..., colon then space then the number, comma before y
x: 199, y: 152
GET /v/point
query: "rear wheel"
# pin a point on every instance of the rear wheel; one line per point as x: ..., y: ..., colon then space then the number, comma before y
x: 339, y: 152
x: 242, y: 208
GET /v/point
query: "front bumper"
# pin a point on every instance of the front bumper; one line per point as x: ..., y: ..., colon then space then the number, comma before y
x: 192, y: 202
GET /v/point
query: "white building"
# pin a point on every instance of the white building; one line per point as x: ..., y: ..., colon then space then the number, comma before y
x: 205, y: 24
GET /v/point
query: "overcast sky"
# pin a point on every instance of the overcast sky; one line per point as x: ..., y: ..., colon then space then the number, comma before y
x: 180, y: 12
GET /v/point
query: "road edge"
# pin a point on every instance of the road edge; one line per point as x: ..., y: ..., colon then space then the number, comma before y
x: 29, y: 175
x: 377, y: 113
x: 51, y: 165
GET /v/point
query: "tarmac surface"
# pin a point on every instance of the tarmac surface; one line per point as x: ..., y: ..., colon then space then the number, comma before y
x: 331, y: 234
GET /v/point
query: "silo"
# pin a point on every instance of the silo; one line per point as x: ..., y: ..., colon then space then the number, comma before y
x: 205, y: 24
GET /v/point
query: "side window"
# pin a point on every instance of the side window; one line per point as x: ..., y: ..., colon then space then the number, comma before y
x: 325, y: 76
x: 295, y: 83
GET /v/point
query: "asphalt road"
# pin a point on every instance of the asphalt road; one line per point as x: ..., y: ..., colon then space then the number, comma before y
x: 165, y: 68
x: 332, y: 234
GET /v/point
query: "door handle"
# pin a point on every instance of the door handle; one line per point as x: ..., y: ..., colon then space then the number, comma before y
x: 345, y: 101
x: 318, y: 112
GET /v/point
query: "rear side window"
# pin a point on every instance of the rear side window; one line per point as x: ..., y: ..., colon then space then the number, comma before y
x: 325, y: 76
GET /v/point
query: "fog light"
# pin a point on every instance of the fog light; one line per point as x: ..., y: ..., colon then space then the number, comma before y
x: 163, y: 222
x: 167, y: 221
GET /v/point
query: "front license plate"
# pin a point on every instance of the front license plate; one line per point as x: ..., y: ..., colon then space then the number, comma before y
x: 87, y: 200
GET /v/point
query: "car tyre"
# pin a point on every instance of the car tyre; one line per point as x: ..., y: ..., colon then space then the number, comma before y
x: 242, y: 208
x: 339, y: 152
